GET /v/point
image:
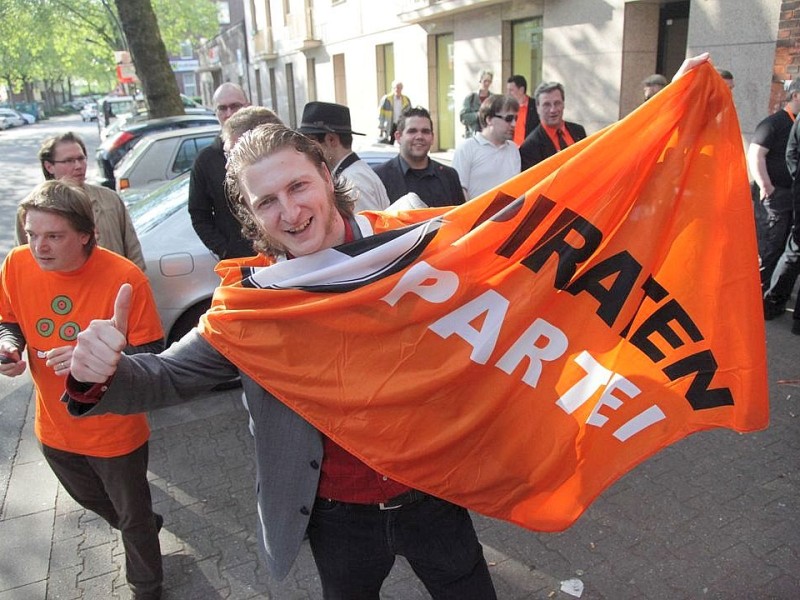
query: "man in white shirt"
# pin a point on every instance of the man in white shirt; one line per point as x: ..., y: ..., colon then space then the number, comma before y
x: 329, y: 124
x: 490, y: 157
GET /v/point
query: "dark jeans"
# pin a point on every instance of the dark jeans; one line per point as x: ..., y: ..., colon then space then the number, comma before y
x: 117, y: 490
x: 773, y: 223
x: 355, y: 546
x: 787, y: 269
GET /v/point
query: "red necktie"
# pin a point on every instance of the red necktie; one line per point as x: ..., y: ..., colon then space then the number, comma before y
x: 562, y: 141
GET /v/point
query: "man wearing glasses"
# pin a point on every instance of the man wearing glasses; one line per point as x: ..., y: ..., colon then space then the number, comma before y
x: 489, y: 157
x: 553, y: 133
x: 208, y: 205
x: 63, y: 158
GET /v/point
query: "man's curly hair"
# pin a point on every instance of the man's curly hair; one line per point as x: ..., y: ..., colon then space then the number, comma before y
x: 254, y: 146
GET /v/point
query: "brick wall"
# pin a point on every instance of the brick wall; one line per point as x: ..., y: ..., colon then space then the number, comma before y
x: 787, y: 52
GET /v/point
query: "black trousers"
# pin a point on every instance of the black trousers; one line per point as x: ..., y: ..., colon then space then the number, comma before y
x: 355, y: 546
x: 117, y: 490
x: 787, y: 268
x: 773, y: 224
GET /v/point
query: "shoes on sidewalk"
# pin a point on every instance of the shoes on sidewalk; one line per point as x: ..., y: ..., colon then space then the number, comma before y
x: 773, y: 310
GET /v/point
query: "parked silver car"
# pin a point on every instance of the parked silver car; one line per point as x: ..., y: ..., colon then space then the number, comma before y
x: 12, y: 117
x: 180, y: 268
x: 89, y: 112
x: 163, y: 156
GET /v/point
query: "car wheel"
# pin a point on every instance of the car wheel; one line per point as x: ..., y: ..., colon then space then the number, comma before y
x: 187, y: 321
x: 184, y: 325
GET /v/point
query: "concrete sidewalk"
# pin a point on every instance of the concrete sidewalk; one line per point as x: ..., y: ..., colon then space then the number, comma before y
x: 202, y: 478
x: 715, y: 516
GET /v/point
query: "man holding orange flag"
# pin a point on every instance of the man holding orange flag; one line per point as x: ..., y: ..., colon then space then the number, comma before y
x: 357, y: 518
x: 511, y: 430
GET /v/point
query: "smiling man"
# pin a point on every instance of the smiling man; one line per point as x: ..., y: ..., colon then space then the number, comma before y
x: 49, y: 291
x: 63, y: 158
x: 413, y: 170
x: 553, y: 133
x: 357, y: 519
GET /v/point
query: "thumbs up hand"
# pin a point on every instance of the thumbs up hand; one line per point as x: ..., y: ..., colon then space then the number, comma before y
x: 100, y: 345
x: 122, y: 308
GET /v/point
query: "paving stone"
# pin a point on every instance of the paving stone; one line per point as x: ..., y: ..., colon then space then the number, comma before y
x: 31, y: 591
x: 63, y: 583
x: 716, y: 516
x: 97, y: 562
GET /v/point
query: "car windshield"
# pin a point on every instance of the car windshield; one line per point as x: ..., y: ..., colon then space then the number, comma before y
x: 160, y: 204
x: 119, y: 107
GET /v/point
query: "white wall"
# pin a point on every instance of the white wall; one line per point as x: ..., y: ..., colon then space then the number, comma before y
x: 583, y: 48
x: 740, y: 35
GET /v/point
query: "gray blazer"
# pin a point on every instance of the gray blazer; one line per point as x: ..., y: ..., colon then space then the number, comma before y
x: 288, y: 449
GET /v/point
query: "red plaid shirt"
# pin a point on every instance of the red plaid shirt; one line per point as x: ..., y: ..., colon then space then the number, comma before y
x: 346, y: 478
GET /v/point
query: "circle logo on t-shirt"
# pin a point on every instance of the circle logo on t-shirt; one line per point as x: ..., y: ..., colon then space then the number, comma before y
x: 45, y: 327
x: 61, y: 305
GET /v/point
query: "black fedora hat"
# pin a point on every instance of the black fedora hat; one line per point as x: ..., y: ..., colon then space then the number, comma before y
x: 326, y: 117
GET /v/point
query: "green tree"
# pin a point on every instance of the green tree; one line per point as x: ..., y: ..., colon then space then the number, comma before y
x: 61, y: 41
x: 185, y: 20
x: 149, y: 55
x: 21, y: 50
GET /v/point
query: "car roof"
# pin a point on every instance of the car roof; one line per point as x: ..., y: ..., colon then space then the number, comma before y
x: 185, y: 132
x: 155, y: 123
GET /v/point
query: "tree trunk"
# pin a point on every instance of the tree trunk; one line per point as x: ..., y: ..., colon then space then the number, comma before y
x: 47, y: 96
x: 149, y: 56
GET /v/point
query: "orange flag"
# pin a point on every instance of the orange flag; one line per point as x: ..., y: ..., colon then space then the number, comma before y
x: 518, y: 354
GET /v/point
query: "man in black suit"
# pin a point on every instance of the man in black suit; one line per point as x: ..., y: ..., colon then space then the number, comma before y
x: 413, y: 170
x: 209, y: 210
x: 527, y: 118
x: 553, y: 133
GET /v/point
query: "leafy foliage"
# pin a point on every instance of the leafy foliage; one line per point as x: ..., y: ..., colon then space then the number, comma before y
x: 75, y: 40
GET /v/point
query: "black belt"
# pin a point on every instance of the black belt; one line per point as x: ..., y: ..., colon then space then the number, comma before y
x: 404, y: 499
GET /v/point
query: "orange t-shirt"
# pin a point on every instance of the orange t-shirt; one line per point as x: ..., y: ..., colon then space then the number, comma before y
x: 51, y: 308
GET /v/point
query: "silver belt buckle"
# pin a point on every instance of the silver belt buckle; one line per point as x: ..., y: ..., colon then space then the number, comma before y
x: 383, y: 506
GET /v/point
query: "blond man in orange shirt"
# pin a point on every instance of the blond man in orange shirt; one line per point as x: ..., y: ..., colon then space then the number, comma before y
x: 50, y: 289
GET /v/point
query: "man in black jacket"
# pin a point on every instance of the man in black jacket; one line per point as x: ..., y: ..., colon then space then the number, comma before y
x: 553, y: 133
x: 413, y: 170
x: 527, y: 118
x: 208, y: 205
x: 771, y: 187
x: 778, y: 288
